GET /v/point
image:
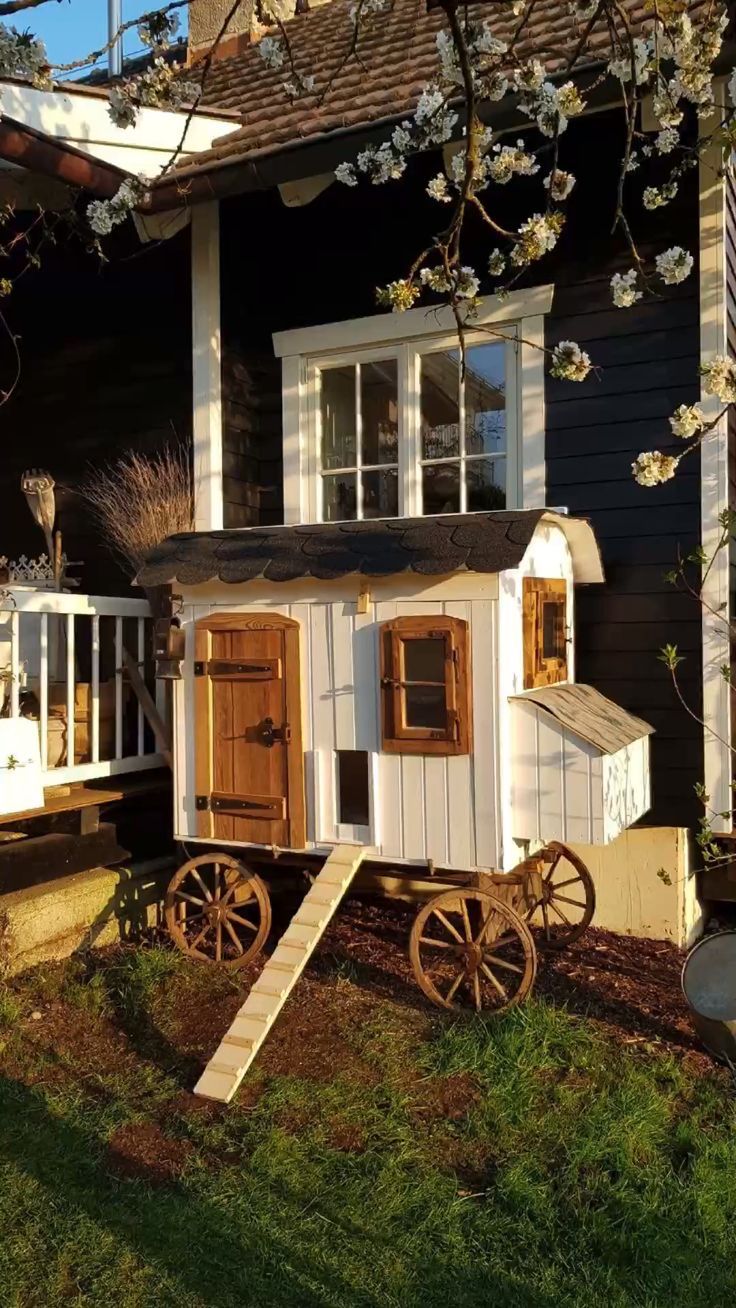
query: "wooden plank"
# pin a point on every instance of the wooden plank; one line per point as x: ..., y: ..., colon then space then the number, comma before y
x: 84, y: 796
x: 240, y: 1044
x: 147, y: 704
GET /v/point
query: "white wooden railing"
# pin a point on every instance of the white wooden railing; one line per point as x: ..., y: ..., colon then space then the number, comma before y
x: 48, y: 644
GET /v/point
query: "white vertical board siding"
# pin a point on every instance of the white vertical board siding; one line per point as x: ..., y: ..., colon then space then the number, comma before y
x: 564, y: 788
x: 548, y: 555
x: 443, y: 809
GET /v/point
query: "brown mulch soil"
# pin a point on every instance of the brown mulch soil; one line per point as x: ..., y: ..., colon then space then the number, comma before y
x: 630, y: 987
x: 141, y: 1151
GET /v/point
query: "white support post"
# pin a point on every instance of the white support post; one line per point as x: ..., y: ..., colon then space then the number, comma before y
x: 118, y: 688
x: 526, y: 446
x: 95, y: 708
x: 206, y: 367
x: 15, y: 666
x: 43, y: 687
x: 717, y: 761
x: 71, y: 720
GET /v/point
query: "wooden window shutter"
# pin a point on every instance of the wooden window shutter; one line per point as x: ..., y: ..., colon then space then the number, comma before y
x: 545, y: 631
x: 426, y: 705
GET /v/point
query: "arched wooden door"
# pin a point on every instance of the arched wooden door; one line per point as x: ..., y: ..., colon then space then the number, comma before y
x: 249, y: 765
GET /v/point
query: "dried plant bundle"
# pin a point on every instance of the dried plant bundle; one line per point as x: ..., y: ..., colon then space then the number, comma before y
x: 140, y: 499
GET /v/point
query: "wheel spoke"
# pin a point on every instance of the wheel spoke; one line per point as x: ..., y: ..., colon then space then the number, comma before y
x: 502, y: 941
x: 218, y: 943
x: 479, y: 938
x: 448, y: 926
x: 233, y: 936
x: 201, y: 884
x: 201, y: 935
x: 571, y: 881
x: 466, y: 918
x: 476, y: 993
x: 545, y: 919
x: 191, y: 899
x: 495, y: 982
x: 566, y: 900
x: 553, y: 865
x: 242, y: 921
x: 455, y: 985
x: 436, y: 944
x: 560, y: 914
x: 501, y: 962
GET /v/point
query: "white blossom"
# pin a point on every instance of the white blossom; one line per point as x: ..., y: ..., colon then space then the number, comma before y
x: 559, y: 184
x: 401, y: 138
x: 159, y: 86
x: 667, y: 140
x: 22, y: 55
x: 652, y: 468
x: 674, y: 265
x: 430, y: 101
x: 732, y: 88
x: 496, y: 263
x: 435, y: 278
x: 687, y: 421
x: 272, y: 51
x: 345, y: 173
x: 368, y: 7
x: 399, y: 295
x: 438, y: 189
x: 656, y: 196
x: 569, y: 362
x: 621, y: 67
x: 719, y: 378
x: 529, y: 76
x: 466, y: 284
x: 623, y: 289
x: 666, y: 111
x: 536, y: 236
x: 103, y: 215
x: 508, y: 160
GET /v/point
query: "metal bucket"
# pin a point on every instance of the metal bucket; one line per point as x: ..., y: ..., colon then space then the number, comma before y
x: 709, y: 986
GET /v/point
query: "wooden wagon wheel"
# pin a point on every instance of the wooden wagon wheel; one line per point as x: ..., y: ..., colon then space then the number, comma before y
x: 218, y: 910
x: 470, y: 950
x: 562, y: 906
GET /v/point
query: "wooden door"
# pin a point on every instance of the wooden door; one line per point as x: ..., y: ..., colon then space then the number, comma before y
x: 248, y: 748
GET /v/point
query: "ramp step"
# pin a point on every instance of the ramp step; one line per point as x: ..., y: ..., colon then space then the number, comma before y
x: 253, y: 1021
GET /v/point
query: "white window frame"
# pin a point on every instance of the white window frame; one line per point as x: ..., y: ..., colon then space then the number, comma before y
x: 407, y: 336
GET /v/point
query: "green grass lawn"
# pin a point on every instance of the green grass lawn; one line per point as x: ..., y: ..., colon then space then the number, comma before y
x: 379, y: 1154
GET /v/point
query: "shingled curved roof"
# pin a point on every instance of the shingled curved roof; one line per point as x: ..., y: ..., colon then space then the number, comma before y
x: 472, y: 542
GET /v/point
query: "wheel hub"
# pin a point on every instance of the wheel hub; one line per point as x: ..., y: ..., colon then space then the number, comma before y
x: 471, y: 955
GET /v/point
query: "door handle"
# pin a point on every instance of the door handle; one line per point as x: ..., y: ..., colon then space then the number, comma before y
x: 271, y: 733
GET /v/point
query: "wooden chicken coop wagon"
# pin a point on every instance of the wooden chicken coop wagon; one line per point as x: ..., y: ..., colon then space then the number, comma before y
x: 402, y: 693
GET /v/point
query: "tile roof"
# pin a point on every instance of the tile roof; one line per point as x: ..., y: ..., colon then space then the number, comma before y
x: 395, y: 59
x: 473, y: 542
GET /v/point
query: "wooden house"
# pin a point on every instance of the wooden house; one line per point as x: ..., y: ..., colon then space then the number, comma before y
x: 292, y: 369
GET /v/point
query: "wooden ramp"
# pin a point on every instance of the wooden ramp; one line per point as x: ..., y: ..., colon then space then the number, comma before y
x: 254, y: 1020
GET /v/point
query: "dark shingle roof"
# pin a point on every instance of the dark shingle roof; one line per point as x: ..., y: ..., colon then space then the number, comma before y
x: 474, y: 542
x: 395, y: 59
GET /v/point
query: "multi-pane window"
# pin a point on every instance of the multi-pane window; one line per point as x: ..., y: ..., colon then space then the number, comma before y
x: 360, y: 440
x: 413, y: 431
x: 425, y: 686
x: 463, y: 430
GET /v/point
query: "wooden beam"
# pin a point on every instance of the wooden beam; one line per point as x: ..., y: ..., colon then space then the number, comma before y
x: 145, y: 699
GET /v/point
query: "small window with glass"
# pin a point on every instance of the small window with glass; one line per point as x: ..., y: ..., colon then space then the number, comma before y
x: 545, y: 631
x: 425, y: 686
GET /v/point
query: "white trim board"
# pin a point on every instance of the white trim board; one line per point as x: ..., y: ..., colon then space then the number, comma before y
x: 717, y: 755
x: 206, y: 368
x: 385, y: 328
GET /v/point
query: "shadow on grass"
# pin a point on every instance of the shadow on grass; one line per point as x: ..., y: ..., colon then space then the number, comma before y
x: 221, y: 1251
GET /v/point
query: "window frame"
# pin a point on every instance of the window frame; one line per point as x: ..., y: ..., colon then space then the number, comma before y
x: 408, y: 356
x: 406, y: 336
x: 397, y: 737
x: 538, y: 669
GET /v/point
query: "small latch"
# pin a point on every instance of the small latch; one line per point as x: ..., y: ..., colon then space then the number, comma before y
x: 199, y: 669
x: 202, y: 802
